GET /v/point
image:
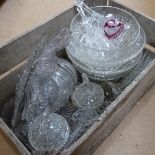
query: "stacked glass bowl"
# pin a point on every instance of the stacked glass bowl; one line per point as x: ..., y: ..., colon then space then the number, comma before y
x: 118, y: 55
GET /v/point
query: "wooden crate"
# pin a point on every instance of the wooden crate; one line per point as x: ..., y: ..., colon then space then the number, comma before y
x: 13, y: 58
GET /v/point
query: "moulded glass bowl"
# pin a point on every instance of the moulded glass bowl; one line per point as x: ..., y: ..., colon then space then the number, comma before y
x: 48, y: 132
x: 134, y: 28
x: 105, y: 75
x: 88, y: 94
x: 107, y: 60
x: 83, y: 118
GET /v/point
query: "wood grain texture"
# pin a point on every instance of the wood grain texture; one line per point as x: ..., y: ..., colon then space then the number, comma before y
x: 6, y: 146
x: 8, y: 81
x: 13, y: 139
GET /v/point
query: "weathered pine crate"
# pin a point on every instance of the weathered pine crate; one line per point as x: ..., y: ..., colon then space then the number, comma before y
x: 13, y: 57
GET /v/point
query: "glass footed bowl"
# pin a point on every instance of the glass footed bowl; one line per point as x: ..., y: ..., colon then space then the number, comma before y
x: 127, y: 46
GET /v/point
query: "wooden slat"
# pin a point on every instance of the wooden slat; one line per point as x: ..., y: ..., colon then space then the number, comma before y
x: 149, y: 47
x: 14, y: 139
x: 92, y: 3
x: 7, y: 147
x: 8, y: 81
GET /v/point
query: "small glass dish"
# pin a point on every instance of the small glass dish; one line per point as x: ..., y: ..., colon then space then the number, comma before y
x: 83, y: 118
x: 48, y: 132
x: 88, y: 94
x: 79, y: 122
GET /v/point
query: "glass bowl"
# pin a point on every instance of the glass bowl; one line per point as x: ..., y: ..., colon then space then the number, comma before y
x: 79, y: 122
x: 105, y: 75
x: 131, y: 24
x: 88, y: 94
x: 111, y: 69
x: 83, y: 118
x: 48, y: 132
x: 107, y: 59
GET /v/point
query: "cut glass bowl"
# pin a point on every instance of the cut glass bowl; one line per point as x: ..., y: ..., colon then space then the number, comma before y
x: 48, y: 132
x: 88, y: 94
x: 118, y: 57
